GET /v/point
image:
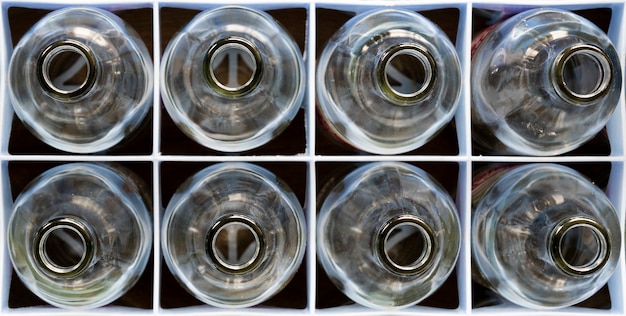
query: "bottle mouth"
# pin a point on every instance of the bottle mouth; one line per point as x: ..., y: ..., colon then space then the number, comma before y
x: 406, y: 73
x: 405, y: 245
x: 67, y: 69
x: 580, y: 246
x: 64, y: 247
x: 236, y: 244
x: 233, y: 67
x: 582, y: 73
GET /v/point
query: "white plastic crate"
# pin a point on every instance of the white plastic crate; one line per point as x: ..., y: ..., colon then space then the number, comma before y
x: 161, y: 161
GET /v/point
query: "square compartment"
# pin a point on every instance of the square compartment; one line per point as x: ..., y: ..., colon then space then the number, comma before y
x: 291, y: 141
x: 331, y: 17
x: 20, y: 18
x: 138, y: 297
x: 292, y: 297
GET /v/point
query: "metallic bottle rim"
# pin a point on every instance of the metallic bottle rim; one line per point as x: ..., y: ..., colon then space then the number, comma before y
x: 602, y: 239
x: 259, y: 244
x: 564, y: 61
x: 44, y: 64
x: 423, y: 260
x: 48, y: 265
x: 243, y: 45
x: 426, y: 61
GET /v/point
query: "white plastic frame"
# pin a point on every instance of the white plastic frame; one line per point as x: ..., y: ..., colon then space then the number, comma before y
x: 465, y: 159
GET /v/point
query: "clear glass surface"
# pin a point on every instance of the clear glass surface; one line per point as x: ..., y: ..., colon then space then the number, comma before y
x: 80, y: 234
x: 233, y: 235
x: 543, y: 236
x: 388, y: 235
x: 388, y: 81
x: 543, y: 82
x: 81, y: 80
x: 232, y: 79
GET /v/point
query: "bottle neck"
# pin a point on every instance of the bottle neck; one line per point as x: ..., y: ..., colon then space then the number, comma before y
x: 233, y: 67
x: 581, y: 74
x: 406, y: 73
x: 579, y: 246
x: 64, y: 247
x: 67, y: 70
x: 236, y: 244
x: 405, y: 245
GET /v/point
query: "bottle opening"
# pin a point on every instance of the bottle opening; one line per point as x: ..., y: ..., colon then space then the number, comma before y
x: 235, y: 244
x: 406, y: 73
x: 233, y: 66
x: 64, y: 247
x: 584, y: 73
x: 407, y: 245
x: 581, y: 246
x: 67, y: 69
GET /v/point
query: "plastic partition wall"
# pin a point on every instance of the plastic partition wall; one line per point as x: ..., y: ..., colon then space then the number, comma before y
x: 303, y: 156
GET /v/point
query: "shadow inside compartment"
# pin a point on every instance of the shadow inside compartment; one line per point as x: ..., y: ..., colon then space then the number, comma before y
x: 484, y: 297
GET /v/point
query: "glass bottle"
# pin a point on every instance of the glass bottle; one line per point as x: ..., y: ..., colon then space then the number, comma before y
x: 387, y: 82
x: 80, y: 234
x: 233, y: 235
x: 543, y: 236
x: 543, y: 83
x: 388, y: 235
x: 81, y: 80
x: 232, y: 79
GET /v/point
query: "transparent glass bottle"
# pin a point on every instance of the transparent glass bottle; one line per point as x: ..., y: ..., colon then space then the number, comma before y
x: 388, y: 235
x: 81, y: 80
x: 233, y: 235
x: 543, y: 82
x: 80, y: 234
x: 232, y: 79
x: 387, y: 82
x: 543, y: 236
